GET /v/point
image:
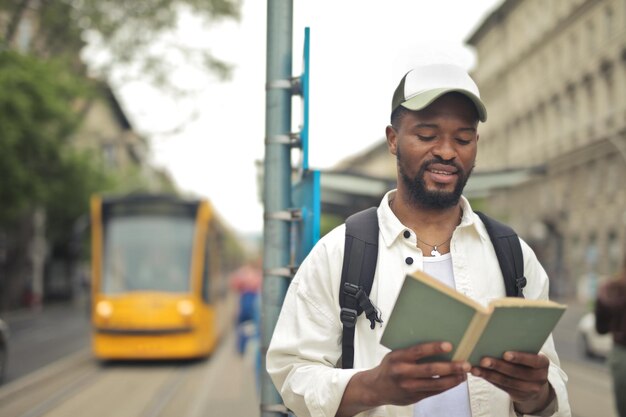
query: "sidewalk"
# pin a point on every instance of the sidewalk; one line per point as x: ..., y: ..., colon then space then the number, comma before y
x: 231, y: 382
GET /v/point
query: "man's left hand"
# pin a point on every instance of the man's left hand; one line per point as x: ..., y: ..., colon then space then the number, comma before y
x: 524, y: 376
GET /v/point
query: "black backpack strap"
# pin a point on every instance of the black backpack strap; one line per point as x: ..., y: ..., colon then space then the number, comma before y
x: 357, y: 276
x: 509, y: 252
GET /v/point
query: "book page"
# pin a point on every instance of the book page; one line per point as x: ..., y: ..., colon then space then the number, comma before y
x: 523, y: 328
x: 524, y: 302
x: 472, y: 335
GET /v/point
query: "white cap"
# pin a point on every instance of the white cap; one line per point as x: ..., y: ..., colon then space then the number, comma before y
x: 425, y: 84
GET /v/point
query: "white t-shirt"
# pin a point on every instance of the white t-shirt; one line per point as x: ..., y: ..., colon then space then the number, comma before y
x: 455, y: 401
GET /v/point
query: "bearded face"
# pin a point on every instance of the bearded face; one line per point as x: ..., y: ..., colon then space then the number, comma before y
x: 432, y: 198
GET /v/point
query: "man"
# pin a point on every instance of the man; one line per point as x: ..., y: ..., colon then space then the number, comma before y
x: 425, y: 224
x: 611, y: 318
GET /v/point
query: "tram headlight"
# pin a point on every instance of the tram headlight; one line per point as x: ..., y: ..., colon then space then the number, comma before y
x: 185, y: 308
x: 104, y: 309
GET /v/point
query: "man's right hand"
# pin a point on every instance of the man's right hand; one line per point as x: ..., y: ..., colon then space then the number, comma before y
x: 400, y: 380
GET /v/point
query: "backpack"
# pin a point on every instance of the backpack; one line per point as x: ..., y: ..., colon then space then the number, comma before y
x: 359, y: 265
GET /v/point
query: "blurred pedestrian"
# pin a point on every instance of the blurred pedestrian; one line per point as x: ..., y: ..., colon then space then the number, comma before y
x: 246, y: 280
x: 611, y: 317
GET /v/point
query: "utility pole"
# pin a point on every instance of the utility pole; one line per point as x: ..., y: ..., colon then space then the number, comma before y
x: 276, y: 186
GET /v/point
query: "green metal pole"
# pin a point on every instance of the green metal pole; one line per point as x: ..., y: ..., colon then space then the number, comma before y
x: 277, y: 185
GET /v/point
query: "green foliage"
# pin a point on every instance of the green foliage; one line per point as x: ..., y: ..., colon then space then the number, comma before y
x: 126, y: 30
x: 38, y: 165
x: 36, y: 116
x: 328, y: 222
x: 39, y: 93
x: 112, y: 17
x: 129, y: 180
x: 135, y: 35
x: 78, y: 177
x: 60, y: 29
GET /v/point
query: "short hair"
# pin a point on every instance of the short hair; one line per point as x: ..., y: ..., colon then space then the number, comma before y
x: 396, y: 115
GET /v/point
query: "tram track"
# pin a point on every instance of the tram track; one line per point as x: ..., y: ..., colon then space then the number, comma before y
x: 38, y: 393
x: 166, y: 393
x: 81, y: 385
x: 50, y: 403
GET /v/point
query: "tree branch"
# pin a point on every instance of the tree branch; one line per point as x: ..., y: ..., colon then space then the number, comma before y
x: 15, y: 21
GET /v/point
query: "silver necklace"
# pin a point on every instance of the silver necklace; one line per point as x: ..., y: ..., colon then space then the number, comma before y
x: 434, y: 251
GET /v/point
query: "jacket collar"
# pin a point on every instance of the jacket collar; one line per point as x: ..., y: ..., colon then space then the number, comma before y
x: 391, y: 228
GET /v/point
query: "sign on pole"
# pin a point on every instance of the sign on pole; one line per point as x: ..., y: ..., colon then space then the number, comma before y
x: 306, y: 192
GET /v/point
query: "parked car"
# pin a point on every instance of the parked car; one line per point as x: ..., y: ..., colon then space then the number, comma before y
x: 4, y: 341
x: 593, y: 344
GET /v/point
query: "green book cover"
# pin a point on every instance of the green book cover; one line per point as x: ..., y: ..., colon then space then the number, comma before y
x: 427, y: 311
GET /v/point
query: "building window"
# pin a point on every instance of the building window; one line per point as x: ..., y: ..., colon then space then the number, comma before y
x: 608, y: 21
x: 24, y: 35
x: 573, y: 46
x: 575, y: 252
x: 571, y: 110
x: 612, y: 180
x: 591, y: 265
x: 542, y: 127
x: 590, y: 100
x: 531, y: 143
x: 557, y: 115
x: 610, y: 95
x: 591, y: 33
x: 108, y: 154
x: 594, y: 182
x: 614, y: 252
x: 569, y: 138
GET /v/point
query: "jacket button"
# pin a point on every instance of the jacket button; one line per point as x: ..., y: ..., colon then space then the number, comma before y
x: 406, y: 234
x: 409, y: 260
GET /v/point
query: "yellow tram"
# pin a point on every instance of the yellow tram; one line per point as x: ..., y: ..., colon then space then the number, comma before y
x: 157, y: 289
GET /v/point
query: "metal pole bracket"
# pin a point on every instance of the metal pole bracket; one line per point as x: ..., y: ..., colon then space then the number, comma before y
x: 287, y: 271
x: 289, y: 215
x: 293, y: 84
x: 292, y: 140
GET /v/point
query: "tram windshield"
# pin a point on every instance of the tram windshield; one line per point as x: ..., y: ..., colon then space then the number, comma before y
x: 150, y: 252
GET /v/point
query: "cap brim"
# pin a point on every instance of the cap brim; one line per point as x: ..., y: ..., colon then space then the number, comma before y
x: 424, y: 99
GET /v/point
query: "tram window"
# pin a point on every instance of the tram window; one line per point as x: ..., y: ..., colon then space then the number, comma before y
x: 147, y: 253
x: 206, y: 274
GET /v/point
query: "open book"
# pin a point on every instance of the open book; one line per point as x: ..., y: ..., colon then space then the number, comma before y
x: 429, y: 311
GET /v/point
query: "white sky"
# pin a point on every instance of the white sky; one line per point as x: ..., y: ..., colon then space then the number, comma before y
x: 359, y: 51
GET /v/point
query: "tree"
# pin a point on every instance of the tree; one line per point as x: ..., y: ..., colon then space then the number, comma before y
x: 45, y: 183
x: 38, y: 93
x: 37, y: 115
x: 126, y: 30
x: 41, y: 91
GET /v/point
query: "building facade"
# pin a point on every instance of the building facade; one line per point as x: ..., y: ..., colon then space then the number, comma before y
x: 553, y: 76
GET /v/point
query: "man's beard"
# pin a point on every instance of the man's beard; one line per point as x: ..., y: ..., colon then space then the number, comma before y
x: 420, y: 196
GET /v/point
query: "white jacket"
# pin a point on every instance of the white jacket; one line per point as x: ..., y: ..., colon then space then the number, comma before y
x: 306, y: 344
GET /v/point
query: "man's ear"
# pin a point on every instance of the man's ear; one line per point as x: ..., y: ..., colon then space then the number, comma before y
x: 392, y: 137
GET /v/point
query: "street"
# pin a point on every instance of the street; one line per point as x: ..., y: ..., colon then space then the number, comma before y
x: 589, y: 386
x: 589, y: 390
x: 222, y: 385
x: 52, y: 373
x: 40, y: 338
